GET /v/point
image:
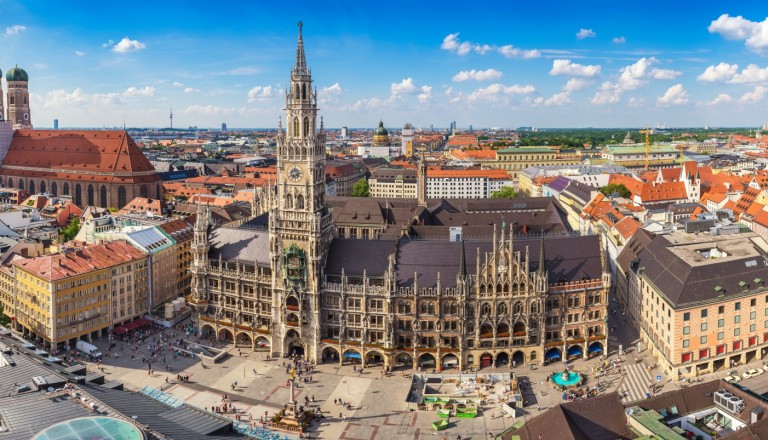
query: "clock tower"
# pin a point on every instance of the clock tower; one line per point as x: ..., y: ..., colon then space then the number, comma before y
x: 300, y: 225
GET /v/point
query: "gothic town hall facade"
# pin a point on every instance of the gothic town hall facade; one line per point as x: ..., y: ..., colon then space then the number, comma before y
x: 286, y: 282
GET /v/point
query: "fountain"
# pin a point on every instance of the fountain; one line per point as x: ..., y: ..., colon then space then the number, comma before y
x: 566, y: 378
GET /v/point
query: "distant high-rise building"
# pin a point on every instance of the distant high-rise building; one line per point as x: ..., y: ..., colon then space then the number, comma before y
x: 407, y: 140
x: 344, y: 133
x: 223, y: 126
x: 431, y: 127
x: 55, y: 124
x: 470, y: 127
x: 171, y: 118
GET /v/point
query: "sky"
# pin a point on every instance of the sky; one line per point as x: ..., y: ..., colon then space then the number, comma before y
x: 492, y: 64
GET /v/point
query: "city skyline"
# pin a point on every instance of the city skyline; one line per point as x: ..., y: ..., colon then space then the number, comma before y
x: 527, y: 65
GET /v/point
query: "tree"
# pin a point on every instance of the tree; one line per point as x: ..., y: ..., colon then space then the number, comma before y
x: 69, y: 232
x: 613, y: 188
x: 4, y: 320
x: 506, y: 192
x: 361, y: 188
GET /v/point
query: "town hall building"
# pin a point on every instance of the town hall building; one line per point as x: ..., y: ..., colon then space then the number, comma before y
x: 287, y: 283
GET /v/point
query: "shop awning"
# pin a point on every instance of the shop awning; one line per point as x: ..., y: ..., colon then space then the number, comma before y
x: 595, y: 349
x: 119, y: 330
x: 575, y: 351
x: 352, y: 355
x: 553, y: 355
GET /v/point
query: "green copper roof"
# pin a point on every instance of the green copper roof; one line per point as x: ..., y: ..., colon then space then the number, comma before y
x: 16, y: 74
x: 380, y: 129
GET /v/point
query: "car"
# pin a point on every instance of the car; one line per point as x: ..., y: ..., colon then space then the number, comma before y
x: 733, y: 378
x: 752, y: 373
x: 765, y: 367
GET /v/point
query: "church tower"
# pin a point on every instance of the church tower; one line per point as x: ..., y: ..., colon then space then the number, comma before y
x: 2, y: 98
x: 18, y: 98
x: 300, y: 225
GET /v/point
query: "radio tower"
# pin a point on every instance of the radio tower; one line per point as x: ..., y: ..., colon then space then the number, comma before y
x: 171, y: 118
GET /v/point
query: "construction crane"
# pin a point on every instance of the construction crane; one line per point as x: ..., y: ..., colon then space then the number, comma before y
x: 647, y: 146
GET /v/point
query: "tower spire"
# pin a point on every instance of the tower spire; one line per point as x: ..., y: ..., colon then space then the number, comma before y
x: 541, y: 255
x: 301, y: 62
x: 462, y: 263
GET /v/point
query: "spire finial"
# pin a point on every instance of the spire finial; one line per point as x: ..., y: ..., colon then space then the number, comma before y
x: 301, y: 62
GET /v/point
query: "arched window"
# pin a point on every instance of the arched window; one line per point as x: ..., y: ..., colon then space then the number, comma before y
x: 12, y: 99
x: 295, y: 126
x: 42, y: 187
x: 303, y: 91
x: 21, y: 183
x: 31, y: 186
x: 431, y: 308
x: 103, y: 195
x: 54, y: 188
x: 485, y: 309
x: 78, y: 196
x: 143, y: 191
x: 10, y: 183
x: 306, y: 126
x: 518, y: 308
x: 299, y: 202
x: 535, y: 307
x: 121, y: 197
x: 91, y: 199
x: 501, y: 309
x: 297, y: 92
x: 289, y: 201
x: 66, y: 189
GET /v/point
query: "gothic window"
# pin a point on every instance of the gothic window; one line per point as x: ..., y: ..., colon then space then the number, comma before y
x: 42, y: 187
x: 31, y: 186
x: 103, y: 194
x: 535, y: 307
x: 303, y: 91
x: 295, y: 131
x: 518, y: 308
x: 470, y: 327
x: 404, y: 307
x: 66, y: 189
x: 501, y: 309
x: 297, y: 91
x: 121, y: 197
x: 10, y: 183
x: 289, y: 201
x: 90, y: 195
x: 431, y: 308
x: 54, y: 188
x: 485, y: 309
x: 143, y: 191
x: 25, y: 100
x: 306, y: 126
x: 78, y: 195
x: 299, y: 202
x: 13, y: 101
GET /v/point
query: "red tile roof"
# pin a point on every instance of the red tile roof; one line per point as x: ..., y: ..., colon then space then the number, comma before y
x: 86, y: 155
x: 762, y: 218
x: 633, y: 185
x: 80, y: 261
x: 663, y: 191
x: 626, y: 227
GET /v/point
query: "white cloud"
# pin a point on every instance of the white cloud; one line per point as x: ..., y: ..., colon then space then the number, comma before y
x: 108, y: 44
x: 566, y: 67
x: 451, y: 42
x: 404, y: 87
x: 585, y: 33
x: 482, y: 49
x: 177, y: 84
x: 127, y: 45
x: 63, y: 99
x: 721, y: 98
x: 477, y: 75
x: 619, y: 40
x: 330, y: 94
x: 575, y: 84
x: 79, y: 53
x: 636, y: 102
x: 262, y: 93
x: 754, y: 34
x: 426, y: 94
x: 247, y: 70
x: 721, y: 72
x: 131, y: 92
x: 191, y: 90
x: 561, y: 98
x: 448, y: 91
x: 750, y: 75
x: 631, y: 77
x: 14, y: 30
x: 664, y: 73
x: 510, y: 51
x: 496, y: 90
x: 675, y: 95
x: 756, y: 95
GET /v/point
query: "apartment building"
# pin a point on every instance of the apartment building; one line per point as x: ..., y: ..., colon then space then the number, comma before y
x: 704, y: 303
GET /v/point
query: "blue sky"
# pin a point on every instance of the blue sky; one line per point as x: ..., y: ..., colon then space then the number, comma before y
x: 490, y: 64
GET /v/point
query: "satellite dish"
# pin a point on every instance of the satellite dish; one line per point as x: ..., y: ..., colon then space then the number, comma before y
x: 629, y: 412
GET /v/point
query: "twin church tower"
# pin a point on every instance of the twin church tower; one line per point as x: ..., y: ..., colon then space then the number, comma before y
x: 18, y: 99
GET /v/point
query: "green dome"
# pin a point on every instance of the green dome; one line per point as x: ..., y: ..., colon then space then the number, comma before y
x: 16, y: 74
x: 381, y: 130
